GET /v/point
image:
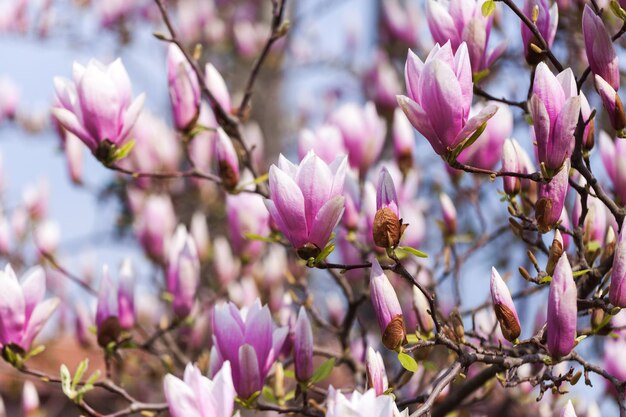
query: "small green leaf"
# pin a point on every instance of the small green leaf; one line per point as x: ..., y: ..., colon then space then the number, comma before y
x: 261, y: 179
x: 66, y: 382
x: 593, y: 246
x: 289, y: 373
x: 488, y: 8
x: 123, y: 151
x: 290, y: 395
x: 617, y: 10
x: 407, y: 362
x: 467, y: 143
x: 34, y: 352
x: 412, y: 338
x: 93, y: 378
x: 413, y: 251
x: 254, y: 236
x: 479, y: 76
x: 323, y: 371
x: 324, y: 254
x: 268, y: 395
x: 80, y: 371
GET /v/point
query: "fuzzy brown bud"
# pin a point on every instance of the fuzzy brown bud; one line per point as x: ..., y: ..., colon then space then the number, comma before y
x: 387, y: 229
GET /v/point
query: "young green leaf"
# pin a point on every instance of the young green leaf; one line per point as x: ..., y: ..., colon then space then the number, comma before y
x: 80, y: 371
x: 323, y: 371
x: 488, y: 8
x: 407, y: 362
x: 66, y: 382
x: 413, y: 251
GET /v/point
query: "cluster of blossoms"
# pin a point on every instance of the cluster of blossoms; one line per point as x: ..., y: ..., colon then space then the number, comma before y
x: 241, y: 319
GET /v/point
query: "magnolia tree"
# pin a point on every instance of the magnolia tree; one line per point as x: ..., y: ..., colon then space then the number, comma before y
x: 328, y: 285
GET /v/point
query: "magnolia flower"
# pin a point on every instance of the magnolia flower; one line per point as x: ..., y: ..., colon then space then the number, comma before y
x: 155, y: 225
x: 617, y: 291
x: 217, y: 86
x: 198, y: 396
x: 97, y: 106
x: 402, y: 20
x: 116, y: 304
x: 614, y: 161
x: 440, y: 92
x: 422, y: 307
x: 387, y: 308
x: 376, y: 373
x: 504, y: 307
x: 183, y: 272
x: 513, y: 160
x: 551, y: 200
x: 306, y: 201
x: 326, y: 141
x: 303, y: 347
x: 30, y: 400
x: 184, y: 88
x: 250, y: 341
x: 363, y: 132
x: 227, y: 160
x: 387, y: 228
x: 23, y: 311
x: 562, y: 310
x: 463, y: 21
x: 403, y: 141
x: 247, y: 214
x: 546, y: 23
x: 449, y: 214
x: 599, y: 48
x: 367, y: 404
x: 554, y: 106
x: 612, y: 103
x: 568, y: 410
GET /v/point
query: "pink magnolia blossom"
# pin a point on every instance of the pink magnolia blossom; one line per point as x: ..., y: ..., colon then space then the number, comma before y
x: 306, y: 200
x: 23, y: 311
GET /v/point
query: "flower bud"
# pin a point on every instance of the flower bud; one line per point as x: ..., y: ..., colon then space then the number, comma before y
x: 599, y: 48
x: 511, y: 163
x: 303, y: 347
x: 545, y: 19
x: 376, y: 374
x: 387, y: 308
x: 363, y: 132
x: 568, y: 410
x: 183, y: 272
x: 617, y: 291
x: 30, y: 400
x: 387, y: 228
x: 552, y: 199
x: 216, y: 84
x: 326, y: 142
x: 403, y: 141
x: 504, y: 307
x: 126, y: 295
x: 422, y: 308
x: 199, y: 229
x: 184, y: 89
x: 228, y: 163
x: 556, y: 250
x: 612, y: 103
x: 562, y: 310
x: 449, y: 215
x: 107, y: 321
